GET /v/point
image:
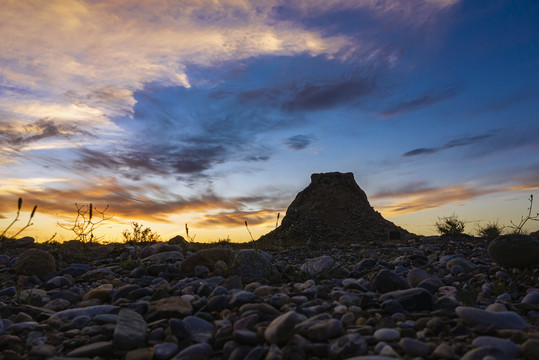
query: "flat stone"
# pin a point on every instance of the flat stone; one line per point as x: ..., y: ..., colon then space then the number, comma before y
x: 101, y: 292
x: 281, y: 329
x: 414, y: 299
x: 499, y: 320
x: 173, y: 306
x: 387, y: 334
x: 86, y: 311
x: 93, y: 349
x: 130, y: 331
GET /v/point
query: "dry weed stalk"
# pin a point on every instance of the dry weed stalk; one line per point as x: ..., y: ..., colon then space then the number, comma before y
x: 17, y: 218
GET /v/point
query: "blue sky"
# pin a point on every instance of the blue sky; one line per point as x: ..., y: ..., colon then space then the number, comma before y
x: 215, y: 112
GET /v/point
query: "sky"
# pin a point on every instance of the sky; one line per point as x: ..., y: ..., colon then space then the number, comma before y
x: 215, y: 112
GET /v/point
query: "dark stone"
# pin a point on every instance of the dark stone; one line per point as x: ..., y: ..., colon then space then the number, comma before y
x: 414, y: 299
x: 386, y: 280
x: 35, y: 262
x: 347, y: 346
x: 515, y: 250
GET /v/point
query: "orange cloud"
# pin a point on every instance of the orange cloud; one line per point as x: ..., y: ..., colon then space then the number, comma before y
x: 429, y: 198
x: 148, y: 202
x: 238, y: 218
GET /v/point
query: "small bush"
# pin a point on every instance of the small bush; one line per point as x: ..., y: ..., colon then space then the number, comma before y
x: 490, y: 230
x: 140, y: 235
x: 450, y: 225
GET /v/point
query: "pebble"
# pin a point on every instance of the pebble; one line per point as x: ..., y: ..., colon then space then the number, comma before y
x: 414, y: 347
x: 387, y: 334
x: 282, y: 328
x: 165, y: 350
x: 196, y: 351
x: 444, y: 351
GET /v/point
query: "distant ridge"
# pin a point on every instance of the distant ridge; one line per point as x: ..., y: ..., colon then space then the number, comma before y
x: 332, y: 208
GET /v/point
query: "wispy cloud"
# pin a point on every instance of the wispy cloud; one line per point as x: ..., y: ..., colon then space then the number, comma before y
x: 419, y: 101
x: 429, y: 198
x: 311, y: 96
x: 19, y: 136
x: 457, y: 142
x: 238, y: 218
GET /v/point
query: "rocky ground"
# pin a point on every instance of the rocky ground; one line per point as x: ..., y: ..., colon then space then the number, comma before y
x: 428, y: 298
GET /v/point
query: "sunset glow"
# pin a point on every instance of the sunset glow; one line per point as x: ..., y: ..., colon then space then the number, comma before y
x: 212, y: 113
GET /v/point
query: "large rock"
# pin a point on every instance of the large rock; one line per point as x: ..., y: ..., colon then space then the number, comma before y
x: 253, y: 265
x: 515, y: 250
x: 332, y: 208
x: 35, y: 262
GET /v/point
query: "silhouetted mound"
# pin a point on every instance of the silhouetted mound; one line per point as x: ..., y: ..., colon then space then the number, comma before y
x: 332, y: 208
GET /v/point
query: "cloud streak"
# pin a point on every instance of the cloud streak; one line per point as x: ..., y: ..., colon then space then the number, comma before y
x: 430, y: 198
x: 420, y: 101
x: 457, y: 142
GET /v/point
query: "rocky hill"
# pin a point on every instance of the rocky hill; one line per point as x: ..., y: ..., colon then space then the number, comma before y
x: 332, y: 208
